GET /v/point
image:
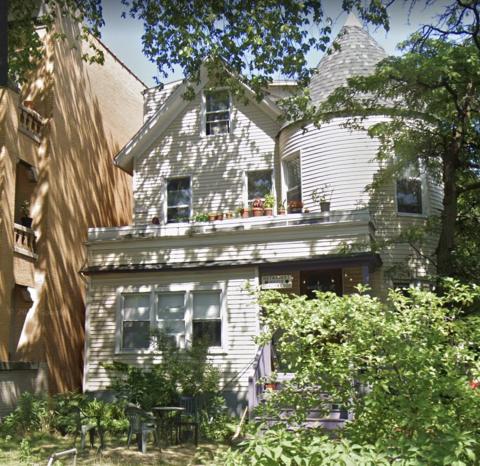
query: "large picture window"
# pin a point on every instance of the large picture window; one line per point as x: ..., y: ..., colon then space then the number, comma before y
x: 217, y: 112
x: 179, y: 199
x: 259, y: 183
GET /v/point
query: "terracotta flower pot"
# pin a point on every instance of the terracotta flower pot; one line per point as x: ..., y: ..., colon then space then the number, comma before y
x: 268, y: 211
x: 257, y: 211
x: 245, y: 213
x: 212, y: 217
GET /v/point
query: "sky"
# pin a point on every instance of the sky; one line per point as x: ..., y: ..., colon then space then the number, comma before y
x: 123, y: 36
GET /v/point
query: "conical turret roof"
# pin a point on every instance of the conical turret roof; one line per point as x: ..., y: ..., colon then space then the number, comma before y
x: 358, y: 53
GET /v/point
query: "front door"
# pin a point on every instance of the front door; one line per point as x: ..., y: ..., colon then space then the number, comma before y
x: 321, y: 280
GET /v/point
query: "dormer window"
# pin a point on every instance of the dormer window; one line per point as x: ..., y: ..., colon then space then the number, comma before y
x: 217, y: 112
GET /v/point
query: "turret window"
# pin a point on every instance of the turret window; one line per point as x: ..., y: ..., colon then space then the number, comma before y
x: 409, y: 192
x: 293, y: 181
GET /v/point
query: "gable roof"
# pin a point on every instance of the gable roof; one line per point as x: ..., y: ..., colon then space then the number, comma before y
x: 357, y: 55
x: 153, y: 128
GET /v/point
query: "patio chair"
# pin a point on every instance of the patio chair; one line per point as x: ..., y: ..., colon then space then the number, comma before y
x: 141, y: 424
x: 189, y: 418
x: 84, y: 427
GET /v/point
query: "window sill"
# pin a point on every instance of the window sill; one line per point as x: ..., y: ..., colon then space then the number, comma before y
x: 413, y: 215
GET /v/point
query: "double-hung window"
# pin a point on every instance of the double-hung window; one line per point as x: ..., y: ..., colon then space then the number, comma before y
x: 207, y: 323
x: 135, y: 321
x: 291, y: 167
x: 170, y: 316
x: 217, y: 112
x: 179, y: 199
x: 409, y: 192
x: 259, y: 183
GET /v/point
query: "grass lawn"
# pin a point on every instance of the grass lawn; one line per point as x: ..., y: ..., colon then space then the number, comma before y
x: 41, y: 446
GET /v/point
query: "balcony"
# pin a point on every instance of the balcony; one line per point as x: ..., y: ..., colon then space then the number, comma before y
x: 31, y: 123
x: 235, y: 225
x: 25, y: 241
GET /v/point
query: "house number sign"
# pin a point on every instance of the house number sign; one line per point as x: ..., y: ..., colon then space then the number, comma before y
x: 275, y: 282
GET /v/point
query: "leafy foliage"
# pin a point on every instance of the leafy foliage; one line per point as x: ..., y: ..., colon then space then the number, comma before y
x: 402, y: 367
x: 30, y: 415
x: 279, y: 447
x: 431, y: 99
x: 25, y: 45
x: 180, y: 373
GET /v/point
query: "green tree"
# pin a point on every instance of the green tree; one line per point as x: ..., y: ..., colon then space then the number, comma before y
x: 431, y: 98
x: 25, y: 45
x: 402, y: 367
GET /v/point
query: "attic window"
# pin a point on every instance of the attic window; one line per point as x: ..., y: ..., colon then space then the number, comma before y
x: 217, y: 112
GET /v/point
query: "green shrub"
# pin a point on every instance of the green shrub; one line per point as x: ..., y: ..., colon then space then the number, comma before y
x: 279, y: 447
x: 30, y: 415
x: 403, y: 367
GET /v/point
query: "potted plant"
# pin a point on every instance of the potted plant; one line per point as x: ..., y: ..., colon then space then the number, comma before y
x: 322, y: 196
x: 257, y: 207
x: 201, y: 217
x: 212, y: 216
x: 281, y: 208
x: 228, y: 215
x: 25, y: 220
x: 295, y: 207
x: 269, y: 203
x: 219, y: 216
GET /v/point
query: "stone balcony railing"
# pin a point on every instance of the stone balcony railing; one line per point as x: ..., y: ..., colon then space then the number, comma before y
x: 189, y: 229
x: 31, y: 123
x: 25, y: 241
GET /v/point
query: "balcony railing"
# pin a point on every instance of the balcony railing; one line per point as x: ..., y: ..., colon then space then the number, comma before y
x: 31, y: 123
x: 231, y: 225
x: 25, y: 241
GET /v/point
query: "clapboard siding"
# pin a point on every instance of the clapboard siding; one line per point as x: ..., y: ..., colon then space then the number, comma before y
x: 216, y: 164
x: 345, y: 160
x: 241, y: 314
x: 155, y: 97
x: 289, y: 243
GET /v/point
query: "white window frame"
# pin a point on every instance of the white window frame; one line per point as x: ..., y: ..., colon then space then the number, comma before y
x: 203, y: 116
x: 424, y: 192
x: 121, y: 294
x: 188, y: 290
x: 283, y: 163
x: 246, y: 201
x: 166, y: 179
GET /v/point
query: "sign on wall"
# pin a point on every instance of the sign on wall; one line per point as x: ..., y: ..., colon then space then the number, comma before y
x: 276, y: 282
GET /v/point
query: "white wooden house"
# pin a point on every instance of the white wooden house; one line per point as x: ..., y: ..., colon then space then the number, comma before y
x: 213, y: 153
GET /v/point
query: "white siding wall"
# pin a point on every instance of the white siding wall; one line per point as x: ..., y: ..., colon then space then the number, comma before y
x: 288, y: 243
x: 345, y: 159
x: 242, y: 323
x: 155, y: 97
x: 216, y: 163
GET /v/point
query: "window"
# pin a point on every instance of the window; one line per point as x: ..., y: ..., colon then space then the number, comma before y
x: 207, y: 323
x: 409, y: 192
x: 179, y: 198
x: 217, y: 112
x: 259, y: 183
x: 186, y: 317
x: 293, y: 181
x: 136, y: 321
x: 170, y: 316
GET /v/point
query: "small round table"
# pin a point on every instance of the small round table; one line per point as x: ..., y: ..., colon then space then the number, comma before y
x: 164, y: 421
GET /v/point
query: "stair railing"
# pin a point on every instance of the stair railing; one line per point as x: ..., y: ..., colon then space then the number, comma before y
x: 262, y: 368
